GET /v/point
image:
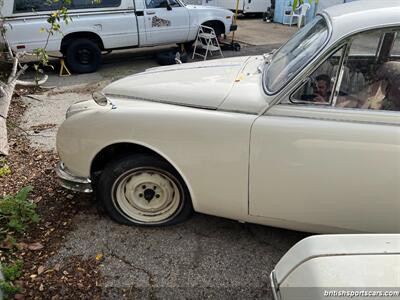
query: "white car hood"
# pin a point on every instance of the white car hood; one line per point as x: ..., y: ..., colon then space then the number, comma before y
x: 201, y: 84
x: 335, y: 245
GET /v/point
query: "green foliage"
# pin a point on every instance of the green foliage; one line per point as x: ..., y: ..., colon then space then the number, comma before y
x: 4, y: 168
x: 16, y: 212
x: 296, y: 3
x: 9, y: 289
x: 11, y: 273
x: 54, y: 20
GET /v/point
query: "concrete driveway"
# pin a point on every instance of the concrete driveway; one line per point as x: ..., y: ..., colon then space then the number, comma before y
x: 256, y: 32
x: 206, y: 257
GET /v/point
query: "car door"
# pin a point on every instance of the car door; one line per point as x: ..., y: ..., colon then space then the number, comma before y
x: 328, y: 161
x: 167, y: 21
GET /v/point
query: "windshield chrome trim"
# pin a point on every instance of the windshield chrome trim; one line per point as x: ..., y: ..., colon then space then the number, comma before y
x: 265, y: 88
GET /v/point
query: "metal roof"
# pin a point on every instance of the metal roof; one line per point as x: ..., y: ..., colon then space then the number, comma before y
x: 362, y: 15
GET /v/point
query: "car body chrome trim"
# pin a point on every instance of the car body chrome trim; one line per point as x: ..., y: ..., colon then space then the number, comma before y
x: 274, y: 286
x: 71, y: 181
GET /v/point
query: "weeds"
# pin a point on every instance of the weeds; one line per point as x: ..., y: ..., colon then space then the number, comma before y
x: 16, y: 214
x: 11, y: 272
x: 4, y: 168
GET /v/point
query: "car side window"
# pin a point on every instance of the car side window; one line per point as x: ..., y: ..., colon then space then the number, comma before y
x: 371, y: 73
x: 161, y: 3
x: 174, y: 3
x: 317, y: 89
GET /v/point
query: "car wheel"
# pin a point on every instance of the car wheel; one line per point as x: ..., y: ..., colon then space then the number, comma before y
x: 83, y: 56
x: 143, y: 190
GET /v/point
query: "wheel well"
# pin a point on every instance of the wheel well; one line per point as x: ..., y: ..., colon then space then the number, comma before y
x: 215, y: 24
x: 79, y: 35
x: 117, y: 151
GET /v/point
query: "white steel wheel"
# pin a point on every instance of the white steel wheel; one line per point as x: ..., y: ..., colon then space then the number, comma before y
x: 143, y: 190
x: 147, y: 195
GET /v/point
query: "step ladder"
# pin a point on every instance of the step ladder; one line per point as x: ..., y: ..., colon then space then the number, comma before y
x: 206, y: 40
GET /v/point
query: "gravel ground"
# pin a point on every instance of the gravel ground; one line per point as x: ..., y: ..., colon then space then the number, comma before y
x: 73, y: 277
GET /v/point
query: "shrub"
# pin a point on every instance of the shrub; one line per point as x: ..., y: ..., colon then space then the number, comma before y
x: 16, y: 212
x: 11, y: 273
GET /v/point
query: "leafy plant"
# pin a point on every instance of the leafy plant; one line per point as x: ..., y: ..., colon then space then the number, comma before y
x: 55, y: 27
x: 16, y: 212
x: 4, y: 168
x: 11, y: 273
x: 7, y: 86
x: 296, y: 3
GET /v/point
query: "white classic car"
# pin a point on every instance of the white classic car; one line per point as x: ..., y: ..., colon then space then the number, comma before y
x: 359, y: 266
x: 306, y: 138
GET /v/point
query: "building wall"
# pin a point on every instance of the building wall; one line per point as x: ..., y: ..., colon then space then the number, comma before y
x: 322, y: 4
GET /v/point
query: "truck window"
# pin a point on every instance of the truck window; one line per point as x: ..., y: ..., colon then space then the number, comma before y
x: 161, y: 3
x: 24, y: 6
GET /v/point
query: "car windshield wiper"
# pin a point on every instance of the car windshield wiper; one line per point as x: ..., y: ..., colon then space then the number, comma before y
x: 267, y: 59
x: 268, y: 56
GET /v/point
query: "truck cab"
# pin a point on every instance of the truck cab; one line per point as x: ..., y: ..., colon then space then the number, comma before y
x: 108, y: 25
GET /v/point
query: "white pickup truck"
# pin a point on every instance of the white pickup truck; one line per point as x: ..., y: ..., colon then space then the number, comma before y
x: 109, y: 24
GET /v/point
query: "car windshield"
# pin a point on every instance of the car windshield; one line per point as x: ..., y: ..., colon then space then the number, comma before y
x: 295, y: 54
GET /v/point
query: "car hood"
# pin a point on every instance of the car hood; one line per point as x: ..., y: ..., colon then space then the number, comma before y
x: 201, y: 84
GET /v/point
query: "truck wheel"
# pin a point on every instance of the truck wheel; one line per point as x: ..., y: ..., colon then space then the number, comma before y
x: 188, y: 46
x: 143, y: 190
x: 83, y: 56
x: 218, y: 28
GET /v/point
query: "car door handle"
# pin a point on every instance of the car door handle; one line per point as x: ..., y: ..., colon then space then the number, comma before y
x: 151, y: 12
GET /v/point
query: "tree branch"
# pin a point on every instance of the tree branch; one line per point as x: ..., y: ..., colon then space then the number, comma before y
x: 19, y: 73
x: 13, y: 70
x: 8, y: 45
x: 33, y: 83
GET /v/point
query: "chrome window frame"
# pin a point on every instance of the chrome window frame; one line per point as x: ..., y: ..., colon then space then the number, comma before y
x: 293, y: 100
x: 328, y: 38
x: 346, y: 43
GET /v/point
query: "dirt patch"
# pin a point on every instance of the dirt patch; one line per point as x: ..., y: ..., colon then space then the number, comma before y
x: 41, y: 127
x: 75, y: 278
x: 79, y: 89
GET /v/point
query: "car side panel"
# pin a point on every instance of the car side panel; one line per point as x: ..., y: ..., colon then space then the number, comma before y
x: 321, y: 167
x: 116, y: 27
x: 208, y: 148
x: 200, y: 16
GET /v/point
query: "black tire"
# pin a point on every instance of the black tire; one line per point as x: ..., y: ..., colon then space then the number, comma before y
x: 218, y: 28
x: 168, y: 58
x: 188, y: 46
x: 236, y: 46
x: 112, y: 179
x: 265, y: 16
x: 83, y: 56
